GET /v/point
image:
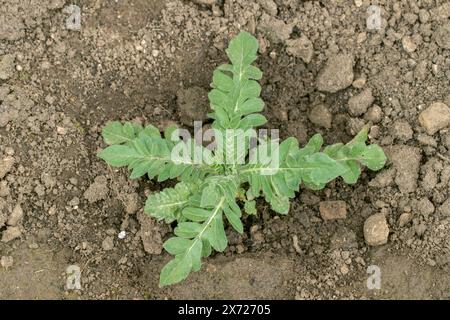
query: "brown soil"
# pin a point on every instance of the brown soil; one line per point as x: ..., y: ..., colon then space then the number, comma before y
x: 130, y: 60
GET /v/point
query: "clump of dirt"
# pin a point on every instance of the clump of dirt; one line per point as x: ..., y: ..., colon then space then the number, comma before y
x: 325, y: 70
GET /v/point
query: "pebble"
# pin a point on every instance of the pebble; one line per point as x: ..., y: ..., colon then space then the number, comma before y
x: 155, y: 53
x: 358, y: 105
x: 376, y: 230
x: 344, y: 269
x: 276, y: 30
x: 435, y: 117
x: 337, y: 74
x: 16, y: 216
x: 332, y: 210
x: 374, y: 114
x: 408, y: 44
x: 404, y: 219
x: 6, y: 66
x: 442, y: 36
x: 108, y: 243
x: 269, y: 6
x: 98, y: 190
x: 11, y: 233
x: 359, y: 83
x: 61, y: 130
x: 321, y: 116
x: 402, y: 130
x: 6, y: 165
x: 406, y: 162
x: 6, y: 262
x: 301, y: 48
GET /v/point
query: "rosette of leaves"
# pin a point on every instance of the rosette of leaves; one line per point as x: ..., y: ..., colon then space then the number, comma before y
x: 211, y: 192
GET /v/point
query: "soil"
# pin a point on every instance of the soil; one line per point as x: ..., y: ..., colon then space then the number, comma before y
x: 132, y: 60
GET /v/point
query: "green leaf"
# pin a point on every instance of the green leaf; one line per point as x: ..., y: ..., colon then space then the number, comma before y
x: 188, y: 230
x: 117, y: 155
x: 116, y: 133
x: 196, y: 214
x: 170, y: 133
x: 242, y: 49
x: 234, y: 219
x: 151, y: 130
x: 250, y: 207
x: 177, y: 245
x: 175, y: 271
x: 168, y: 203
x: 215, y: 234
x: 373, y: 157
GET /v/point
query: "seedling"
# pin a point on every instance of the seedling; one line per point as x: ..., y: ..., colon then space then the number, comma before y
x: 217, y: 181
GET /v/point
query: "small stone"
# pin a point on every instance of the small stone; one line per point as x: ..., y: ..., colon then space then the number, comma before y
x: 374, y: 132
x: 424, y: 207
x: 321, y: 116
x: 420, y: 229
x: 424, y: 15
x: 97, y: 190
x: 301, y: 48
x: 11, y: 233
x: 61, y: 130
x: 9, y: 151
x: 6, y: 262
x: 408, y: 44
x: 406, y: 162
x: 52, y: 211
x: 337, y: 74
x: 376, y: 230
x: 359, y: 104
x: 16, y: 216
x: 50, y: 99
x: 360, y: 260
x: 121, y: 235
x: 426, y: 140
x: 332, y: 210
x: 344, y: 269
x: 4, y: 189
x: 240, y: 248
x: 274, y: 29
x: 359, y: 83
x: 374, y: 114
x: 108, y: 243
x: 269, y: 6
x: 442, y: 36
x: 6, y: 66
x: 435, y: 117
x: 6, y: 165
x: 404, y: 219
x: 355, y: 125
x: 361, y: 37
x: 444, y: 209
x: 131, y: 202
x: 402, y: 130
x: 420, y: 71
x: 155, y: 53
x: 151, y: 233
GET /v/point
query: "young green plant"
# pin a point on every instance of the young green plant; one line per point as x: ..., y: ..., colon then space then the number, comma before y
x: 216, y: 187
